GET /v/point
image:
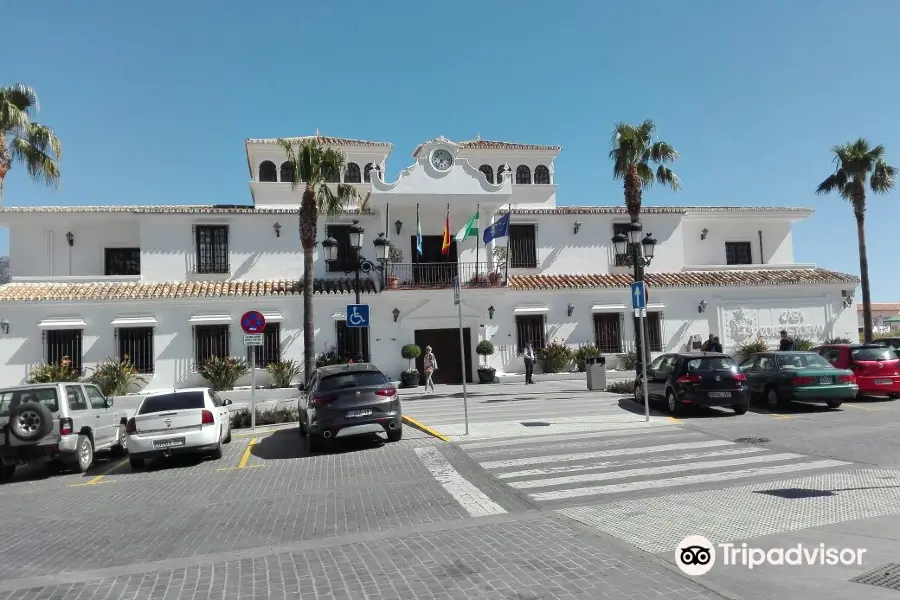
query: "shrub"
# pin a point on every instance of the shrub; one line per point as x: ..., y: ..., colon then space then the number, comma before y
x: 52, y: 373
x: 484, y: 348
x: 283, y: 372
x: 628, y: 361
x: 395, y: 254
x: 328, y: 358
x: 802, y: 344
x: 270, y: 416
x: 410, y: 352
x: 621, y: 387
x: 752, y: 347
x: 555, y: 356
x: 114, y: 377
x: 838, y: 340
x: 223, y: 372
x: 582, y: 353
x: 500, y: 254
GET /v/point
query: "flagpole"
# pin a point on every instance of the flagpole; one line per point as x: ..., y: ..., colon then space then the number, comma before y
x: 478, y: 226
x: 447, y: 227
x: 508, y: 237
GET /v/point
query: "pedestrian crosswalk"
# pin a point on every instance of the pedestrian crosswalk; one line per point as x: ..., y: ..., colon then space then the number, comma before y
x: 616, y: 464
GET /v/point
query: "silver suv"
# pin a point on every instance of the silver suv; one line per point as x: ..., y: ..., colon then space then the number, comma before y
x: 61, y: 424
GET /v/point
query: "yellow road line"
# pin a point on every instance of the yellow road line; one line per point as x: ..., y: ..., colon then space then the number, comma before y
x: 244, y: 458
x: 674, y: 419
x: 426, y: 429
x: 860, y: 407
x: 98, y: 479
x: 780, y: 416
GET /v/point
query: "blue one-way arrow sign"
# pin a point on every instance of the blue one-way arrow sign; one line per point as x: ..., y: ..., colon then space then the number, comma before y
x: 638, y: 295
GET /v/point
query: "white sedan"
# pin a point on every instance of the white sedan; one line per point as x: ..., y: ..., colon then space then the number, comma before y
x: 188, y: 421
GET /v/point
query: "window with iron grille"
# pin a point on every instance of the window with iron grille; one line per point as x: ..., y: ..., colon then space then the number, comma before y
x: 270, y: 351
x: 348, y: 343
x: 623, y: 228
x: 654, y: 331
x: 488, y: 172
x: 212, y: 248
x: 267, y: 171
x: 541, y: 175
x: 136, y: 347
x: 530, y: 328
x: 211, y: 341
x: 287, y: 172
x: 523, y: 174
x: 522, y: 246
x: 608, y: 332
x: 345, y: 254
x: 351, y: 173
x: 738, y: 253
x: 122, y: 261
x: 62, y: 344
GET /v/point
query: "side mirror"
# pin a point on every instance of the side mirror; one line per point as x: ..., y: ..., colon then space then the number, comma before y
x: 226, y: 402
x: 109, y: 402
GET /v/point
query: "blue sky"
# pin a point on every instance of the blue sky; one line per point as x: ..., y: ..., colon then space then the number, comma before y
x: 154, y: 100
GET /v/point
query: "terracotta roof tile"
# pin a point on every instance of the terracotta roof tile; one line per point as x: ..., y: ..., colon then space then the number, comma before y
x: 723, y: 278
x: 495, y: 145
x: 149, y: 290
x: 620, y: 210
x: 159, y: 209
x: 323, y: 139
x: 882, y: 306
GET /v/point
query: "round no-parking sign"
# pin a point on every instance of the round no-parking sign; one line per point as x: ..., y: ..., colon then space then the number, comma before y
x: 253, y: 322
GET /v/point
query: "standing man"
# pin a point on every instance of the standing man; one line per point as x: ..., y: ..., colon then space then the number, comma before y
x: 715, y: 345
x: 528, y: 355
x: 786, y: 343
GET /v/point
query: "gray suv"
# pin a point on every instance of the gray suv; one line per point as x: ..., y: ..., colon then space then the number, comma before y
x: 61, y: 424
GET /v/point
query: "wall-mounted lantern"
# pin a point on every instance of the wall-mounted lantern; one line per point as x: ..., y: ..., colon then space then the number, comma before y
x: 704, y: 233
x: 570, y: 308
x: 701, y: 308
x: 396, y: 313
x: 277, y: 228
x: 399, y: 226
x: 491, y: 311
x: 70, y: 237
x: 577, y: 226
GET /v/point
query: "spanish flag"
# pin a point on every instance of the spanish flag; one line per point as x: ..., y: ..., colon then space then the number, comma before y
x: 445, y: 246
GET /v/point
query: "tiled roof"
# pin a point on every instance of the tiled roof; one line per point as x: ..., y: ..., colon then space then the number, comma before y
x: 148, y: 290
x: 653, y: 210
x: 159, y: 209
x: 323, y: 139
x: 494, y: 145
x: 723, y: 278
x: 882, y: 307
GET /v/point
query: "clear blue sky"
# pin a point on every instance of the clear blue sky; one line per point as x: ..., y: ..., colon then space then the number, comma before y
x: 154, y: 100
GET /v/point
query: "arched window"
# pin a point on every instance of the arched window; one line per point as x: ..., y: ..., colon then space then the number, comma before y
x: 267, y: 171
x: 500, y: 172
x: 542, y: 175
x: 488, y: 172
x: 523, y: 174
x: 351, y: 173
x: 367, y: 177
x: 287, y: 172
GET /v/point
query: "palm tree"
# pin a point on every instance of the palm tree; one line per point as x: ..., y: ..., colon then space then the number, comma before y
x: 855, y: 163
x: 24, y: 140
x: 314, y: 166
x: 634, y: 154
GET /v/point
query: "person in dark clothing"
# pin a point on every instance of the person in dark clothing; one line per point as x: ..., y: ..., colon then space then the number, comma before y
x: 786, y: 343
x: 528, y: 355
x: 715, y: 345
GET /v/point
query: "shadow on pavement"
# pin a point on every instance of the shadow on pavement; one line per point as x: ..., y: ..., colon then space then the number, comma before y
x: 793, y: 408
x: 288, y: 444
x: 700, y: 412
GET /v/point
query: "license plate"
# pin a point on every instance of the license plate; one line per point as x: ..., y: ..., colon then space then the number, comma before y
x: 825, y: 380
x: 172, y: 443
x: 884, y: 381
x: 720, y: 394
x: 359, y: 413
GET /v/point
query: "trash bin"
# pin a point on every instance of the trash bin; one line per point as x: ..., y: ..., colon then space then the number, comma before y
x: 595, y: 366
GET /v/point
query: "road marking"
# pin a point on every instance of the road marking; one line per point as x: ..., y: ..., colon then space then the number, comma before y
x: 473, y: 500
x: 244, y: 458
x: 98, y: 479
x: 781, y: 416
x: 860, y: 407
x: 533, y: 460
x: 649, y: 484
x: 674, y: 419
x: 650, y: 471
x: 426, y: 429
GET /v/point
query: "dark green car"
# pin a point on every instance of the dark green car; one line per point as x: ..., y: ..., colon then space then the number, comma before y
x: 783, y: 377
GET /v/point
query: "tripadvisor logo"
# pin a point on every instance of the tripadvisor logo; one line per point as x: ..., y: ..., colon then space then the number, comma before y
x: 695, y: 555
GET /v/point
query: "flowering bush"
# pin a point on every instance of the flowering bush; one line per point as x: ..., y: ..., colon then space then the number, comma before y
x: 52, y: 373
x: 114, y: 377
x: 583, y: 352
x: 223, y: 371
x: 283, y: 372
x: 329, y: 357
x: 555, y: 356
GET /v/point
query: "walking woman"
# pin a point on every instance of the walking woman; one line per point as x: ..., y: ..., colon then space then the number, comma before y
x: 430, y: 367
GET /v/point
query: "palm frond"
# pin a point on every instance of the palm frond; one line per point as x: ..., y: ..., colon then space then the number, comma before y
x: 645, y: 173
x: 882, y: 179
x: 22, y: 97
x: 663, y: 153
x: 291, y: 158
x: 40, y: 165
x: 666, y: 176
x: 327, y: 202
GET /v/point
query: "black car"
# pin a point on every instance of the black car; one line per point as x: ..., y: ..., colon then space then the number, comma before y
x: 346, y: 400
x: 695, y: 379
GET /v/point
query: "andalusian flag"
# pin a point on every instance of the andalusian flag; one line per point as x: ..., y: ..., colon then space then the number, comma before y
x: 470, y: 228
x: 445, y: 245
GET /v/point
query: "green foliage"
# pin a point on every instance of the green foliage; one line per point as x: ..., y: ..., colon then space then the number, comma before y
x: 886, y: 334
x: 625, y: 386
x: 500, y: 254
x: 752, y: 347
x: 114, y: 377
x: 555, y: 356
x: 484, y: 348
x: 271, y: 416
x: 583, y: 352
x: 838, y: 340
x: 223, y: 372
x: 395, y: 254
x: 410, y: 352
x: 283, y: 372
x: 804, y: 344
x: 52, y: 373
x: 328, y: 358
x: 628, y: 361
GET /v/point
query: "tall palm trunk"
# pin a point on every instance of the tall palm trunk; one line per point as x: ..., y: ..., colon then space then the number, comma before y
x: 859, y: 210
x: 633, y: 193
x: 308, y: 225
x: 5, y: 162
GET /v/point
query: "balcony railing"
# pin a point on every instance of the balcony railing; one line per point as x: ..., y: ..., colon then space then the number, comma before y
x: 440, y: 275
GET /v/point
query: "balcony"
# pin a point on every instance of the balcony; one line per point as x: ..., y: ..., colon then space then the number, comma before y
x: 405, y: 276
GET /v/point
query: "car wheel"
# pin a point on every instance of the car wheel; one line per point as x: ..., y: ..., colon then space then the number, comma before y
x: 302, y: 429
x: 84, y: 454
x: 638, y: 394
x: 773, y: 399
x: 217, y: 453
x: 740, y: 409
x: 121, y: 446
x: 396, y: 435
x: 227, y: 439
x: 673, y: 405
x: 30, y: 421
x: 835, y: 403
x: 7, y: 471
x: 136, y: 463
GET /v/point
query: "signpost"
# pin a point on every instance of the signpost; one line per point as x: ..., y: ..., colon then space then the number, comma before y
x: 462, y: 350
x: 639, y: 297
x: 253, y: 323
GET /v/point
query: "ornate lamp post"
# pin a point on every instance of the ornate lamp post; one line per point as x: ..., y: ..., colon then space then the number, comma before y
x: 637, y: 253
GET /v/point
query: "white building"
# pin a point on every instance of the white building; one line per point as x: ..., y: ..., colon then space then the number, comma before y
x: 167, y: 285
x: 881, y: 312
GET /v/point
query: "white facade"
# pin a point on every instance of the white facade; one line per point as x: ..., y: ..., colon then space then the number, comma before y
x: 562, y: 273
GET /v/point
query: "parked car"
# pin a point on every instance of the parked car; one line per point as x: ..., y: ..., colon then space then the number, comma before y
x: 347, y: 400
x: 875, y: 366
x: 892, y: 342
x: 695, y: 379
x: 187, y: 421
x: 783, y: 377
x: 59, y: 424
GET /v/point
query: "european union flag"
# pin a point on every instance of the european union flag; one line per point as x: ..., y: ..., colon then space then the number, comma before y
x: 497, y: 230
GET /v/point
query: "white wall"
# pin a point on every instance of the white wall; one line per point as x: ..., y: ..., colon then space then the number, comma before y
x: 777, y: 242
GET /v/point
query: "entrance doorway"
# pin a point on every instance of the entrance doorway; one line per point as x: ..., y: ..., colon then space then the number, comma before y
x: 433, y: 268
x: 445, y: 346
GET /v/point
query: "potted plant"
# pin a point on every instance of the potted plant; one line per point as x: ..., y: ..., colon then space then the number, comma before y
x: 410, y: 377
x: 501, y: 253
x: 395, y: 255
x: 485, y: 373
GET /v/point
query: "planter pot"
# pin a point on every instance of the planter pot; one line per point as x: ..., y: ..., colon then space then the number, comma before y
x: 393, y: 282
x: 409, y: 379
x: 486, y: 375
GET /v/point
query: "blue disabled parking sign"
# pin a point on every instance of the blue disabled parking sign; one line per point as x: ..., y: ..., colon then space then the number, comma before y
x: 357, y: 315
x: 638, y: 295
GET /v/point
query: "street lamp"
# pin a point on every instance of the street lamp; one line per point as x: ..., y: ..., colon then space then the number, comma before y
x: 358, y: 264
x: 637, y: 253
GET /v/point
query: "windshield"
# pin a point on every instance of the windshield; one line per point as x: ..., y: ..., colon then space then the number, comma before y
x: 717, y: 363
x: 351, y: 380
x: 169, y: 402
x: 46, y: 396
x: 802, y: 361
x: 872, y: 353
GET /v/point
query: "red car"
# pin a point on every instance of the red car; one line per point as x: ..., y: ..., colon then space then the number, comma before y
x: 876, y: 367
